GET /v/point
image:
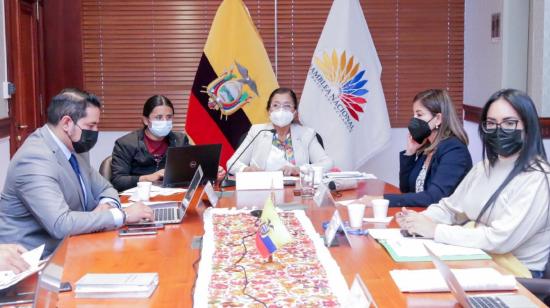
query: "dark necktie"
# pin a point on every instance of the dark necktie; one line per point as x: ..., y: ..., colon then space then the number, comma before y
x: 76, y: 168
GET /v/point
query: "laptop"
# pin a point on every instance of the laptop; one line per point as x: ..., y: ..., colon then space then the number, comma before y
x: 48, y: 284
x: 497, y: 300
x: 172, y: 212
x: 181, y: 163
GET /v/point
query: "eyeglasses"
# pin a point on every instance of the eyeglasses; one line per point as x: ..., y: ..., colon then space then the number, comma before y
x: 507, y: 126
x: 276, y: 106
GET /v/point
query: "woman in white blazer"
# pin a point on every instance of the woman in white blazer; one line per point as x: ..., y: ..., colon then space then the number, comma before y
x: 291, y: 146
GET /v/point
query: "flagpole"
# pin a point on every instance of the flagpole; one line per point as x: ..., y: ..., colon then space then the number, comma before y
x: 276, y: 25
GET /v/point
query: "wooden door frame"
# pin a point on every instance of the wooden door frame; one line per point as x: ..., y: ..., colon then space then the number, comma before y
x: 11, y: 13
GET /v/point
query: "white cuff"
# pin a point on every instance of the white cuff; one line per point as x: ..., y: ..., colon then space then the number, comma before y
x: 117, y: 216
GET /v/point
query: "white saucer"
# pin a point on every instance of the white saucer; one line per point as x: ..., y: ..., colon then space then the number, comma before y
x: 372, y: 219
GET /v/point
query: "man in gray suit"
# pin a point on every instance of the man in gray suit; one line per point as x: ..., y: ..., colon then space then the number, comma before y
x: 51, y: 190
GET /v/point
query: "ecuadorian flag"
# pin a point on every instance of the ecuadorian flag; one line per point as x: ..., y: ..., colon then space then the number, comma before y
x: 272, y: 233
x: 233, y: 81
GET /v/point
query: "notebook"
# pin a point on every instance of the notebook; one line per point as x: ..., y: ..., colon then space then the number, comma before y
x: 127, y: 285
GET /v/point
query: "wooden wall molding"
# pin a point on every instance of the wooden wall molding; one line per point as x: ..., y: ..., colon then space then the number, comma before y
x: 545, y: 127
x: 4, y: 127
x: 473, y: 114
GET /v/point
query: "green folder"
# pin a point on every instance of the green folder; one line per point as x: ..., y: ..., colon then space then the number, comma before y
x: 398, y: 258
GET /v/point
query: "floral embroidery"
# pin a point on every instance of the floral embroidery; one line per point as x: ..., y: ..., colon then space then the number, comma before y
x: 286, y: 147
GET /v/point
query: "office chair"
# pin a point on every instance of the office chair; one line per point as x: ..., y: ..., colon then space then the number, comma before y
x: 320, y: 140
x: 105, y: 168
x: 539, y: 286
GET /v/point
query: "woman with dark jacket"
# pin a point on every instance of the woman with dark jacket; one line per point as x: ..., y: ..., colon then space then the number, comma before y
x: 436, y: 158
x: 140, y: 155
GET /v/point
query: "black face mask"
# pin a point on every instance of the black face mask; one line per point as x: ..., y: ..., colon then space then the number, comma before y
x: 88, y: 139
x: 419, y: 129
x: 504, y: 144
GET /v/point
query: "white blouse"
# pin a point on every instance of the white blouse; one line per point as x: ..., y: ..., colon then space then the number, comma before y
x: 518, y: 222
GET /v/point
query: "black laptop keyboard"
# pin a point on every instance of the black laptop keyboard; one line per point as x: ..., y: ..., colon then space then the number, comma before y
x: 165, y: 214
x: 486, y: 302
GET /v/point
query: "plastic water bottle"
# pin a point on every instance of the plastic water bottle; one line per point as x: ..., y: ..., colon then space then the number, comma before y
x: 307, y: 176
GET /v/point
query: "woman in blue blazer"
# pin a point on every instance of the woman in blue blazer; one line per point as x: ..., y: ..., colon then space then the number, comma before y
x: 436, y: 158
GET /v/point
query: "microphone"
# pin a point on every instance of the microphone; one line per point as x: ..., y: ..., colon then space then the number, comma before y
x: 227, y: 182
x: 342, y: 184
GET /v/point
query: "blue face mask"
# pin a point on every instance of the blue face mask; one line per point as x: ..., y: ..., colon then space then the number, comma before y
x: 160, y: 128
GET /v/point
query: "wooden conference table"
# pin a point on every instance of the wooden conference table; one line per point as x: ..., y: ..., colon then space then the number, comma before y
x: 170, y: 254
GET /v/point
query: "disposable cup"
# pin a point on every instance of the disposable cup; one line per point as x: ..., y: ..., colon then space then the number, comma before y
x: 356, y: 211
x: 144, y: 190
x: 380, y: 208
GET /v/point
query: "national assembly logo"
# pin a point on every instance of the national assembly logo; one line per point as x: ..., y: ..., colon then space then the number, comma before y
x: 341, y: 80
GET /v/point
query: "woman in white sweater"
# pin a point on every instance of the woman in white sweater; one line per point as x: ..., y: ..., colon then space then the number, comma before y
x: 506, y: 194
x: 283, y: 144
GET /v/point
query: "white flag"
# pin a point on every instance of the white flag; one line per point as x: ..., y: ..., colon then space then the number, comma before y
x: 343, y: 98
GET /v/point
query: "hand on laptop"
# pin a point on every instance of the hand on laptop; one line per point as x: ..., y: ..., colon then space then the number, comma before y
x: 10, y: 258
x: 138, y: 212
x: 415, y: 223
x: 153, y: 177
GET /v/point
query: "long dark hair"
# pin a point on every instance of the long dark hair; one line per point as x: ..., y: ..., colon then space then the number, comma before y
x: 155, y: 101
x: 439, y: 101
x: 532, y: 156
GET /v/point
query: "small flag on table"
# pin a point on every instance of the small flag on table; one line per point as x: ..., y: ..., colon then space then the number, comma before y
x: 272, y: 233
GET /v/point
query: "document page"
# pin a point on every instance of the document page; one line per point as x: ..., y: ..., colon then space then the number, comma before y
x: 32, y: 257
x: 471, y: 279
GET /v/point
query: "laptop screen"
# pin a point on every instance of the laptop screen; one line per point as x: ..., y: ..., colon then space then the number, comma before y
x: 49, y: 281
x: 182, y: 162
x: 450, y: 279
x: 197, y: 177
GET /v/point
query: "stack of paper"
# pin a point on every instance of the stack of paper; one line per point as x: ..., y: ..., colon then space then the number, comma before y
x: 131, y: 285
x: 9, y: 278
x: 471, y: 279
x: 349, y: 175
x: 405, y: 249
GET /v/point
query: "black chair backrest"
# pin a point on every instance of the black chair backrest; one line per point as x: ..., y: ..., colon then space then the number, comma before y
x: 320, y: 140
x: 105, y: 168
x: 241, y: 139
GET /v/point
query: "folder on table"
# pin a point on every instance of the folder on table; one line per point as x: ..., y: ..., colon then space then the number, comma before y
x: 403, y: 249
